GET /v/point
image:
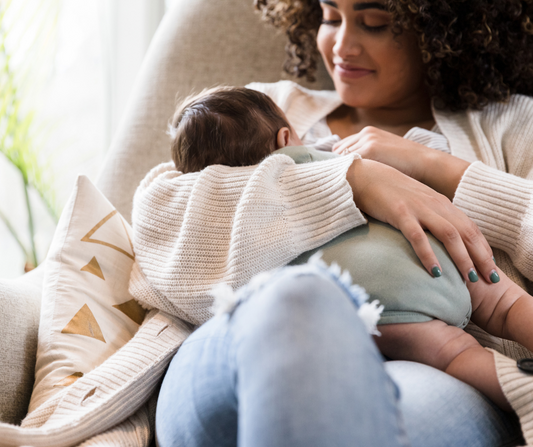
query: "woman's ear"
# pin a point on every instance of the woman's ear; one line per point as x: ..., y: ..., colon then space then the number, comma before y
x: 283, y: 137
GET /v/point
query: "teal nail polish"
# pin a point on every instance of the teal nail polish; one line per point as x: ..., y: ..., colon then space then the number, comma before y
x: 472, y: 276
x: 435, y: 271
x: 493, y: 259
x: 494, y: 277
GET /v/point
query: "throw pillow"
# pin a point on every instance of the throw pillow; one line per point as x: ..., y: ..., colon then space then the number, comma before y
x: 87, y: 313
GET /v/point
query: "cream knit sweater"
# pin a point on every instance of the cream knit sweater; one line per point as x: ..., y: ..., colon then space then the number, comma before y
x: 496, y: 191
x: 225, y: 224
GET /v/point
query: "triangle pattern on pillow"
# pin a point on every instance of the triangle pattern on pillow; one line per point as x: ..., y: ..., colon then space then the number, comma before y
x: 88, y: 236
x: 94, y: 268
x: 84, y: 323
x: 69, y: 380
x: 133, y: 310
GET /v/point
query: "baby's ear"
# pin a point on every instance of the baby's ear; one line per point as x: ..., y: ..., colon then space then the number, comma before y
x: 283, y: 137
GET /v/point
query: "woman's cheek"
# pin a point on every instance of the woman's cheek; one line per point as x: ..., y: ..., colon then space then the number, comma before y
x: 325, y: 41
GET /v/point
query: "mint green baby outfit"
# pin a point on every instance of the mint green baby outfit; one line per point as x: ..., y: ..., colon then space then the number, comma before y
x: 381, y: 260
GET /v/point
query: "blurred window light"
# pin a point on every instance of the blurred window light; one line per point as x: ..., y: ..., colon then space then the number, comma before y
x: 74, y: 64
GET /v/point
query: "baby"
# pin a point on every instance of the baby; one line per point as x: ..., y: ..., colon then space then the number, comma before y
x: 240, y: 127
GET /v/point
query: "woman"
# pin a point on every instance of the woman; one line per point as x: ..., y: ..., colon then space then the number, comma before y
x: 300, y: 371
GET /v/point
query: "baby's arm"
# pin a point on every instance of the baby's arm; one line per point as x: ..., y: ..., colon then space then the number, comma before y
x: 447, y: 348
x: 503, y: 309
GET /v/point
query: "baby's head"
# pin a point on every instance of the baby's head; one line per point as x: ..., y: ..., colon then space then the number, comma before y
x: 232, y: 126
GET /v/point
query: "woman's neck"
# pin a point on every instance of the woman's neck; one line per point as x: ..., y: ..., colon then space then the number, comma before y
x: 345, y: 120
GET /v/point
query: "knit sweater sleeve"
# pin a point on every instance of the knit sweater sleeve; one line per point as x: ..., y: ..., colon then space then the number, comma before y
x: 501, y: 204
x: 496, y: 191
x: 224, y: 225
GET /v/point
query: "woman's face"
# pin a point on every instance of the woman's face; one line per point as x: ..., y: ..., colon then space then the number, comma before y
x: 369, y: 66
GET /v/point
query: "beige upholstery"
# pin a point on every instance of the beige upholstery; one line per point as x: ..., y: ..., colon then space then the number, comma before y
x: 20, y: 304
x: 200, y: 43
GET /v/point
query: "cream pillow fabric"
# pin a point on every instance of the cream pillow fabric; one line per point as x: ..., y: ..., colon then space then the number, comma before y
x: 87, y: 313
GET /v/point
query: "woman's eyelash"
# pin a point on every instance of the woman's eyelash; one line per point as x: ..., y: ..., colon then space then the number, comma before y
x: 330, y: 22
x: 374, y: 29
x: 371, y: 29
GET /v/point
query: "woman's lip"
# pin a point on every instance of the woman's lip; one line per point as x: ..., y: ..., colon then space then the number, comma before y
x: 350, y: 71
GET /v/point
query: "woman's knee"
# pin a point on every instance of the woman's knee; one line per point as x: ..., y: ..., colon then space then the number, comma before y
x: 296, y: 293
x: 297, y: 310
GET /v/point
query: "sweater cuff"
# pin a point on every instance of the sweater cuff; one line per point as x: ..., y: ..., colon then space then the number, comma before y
x: 149, y: 297
x: 328, y: 211
x: 517, y: 387
x: 496, y: 201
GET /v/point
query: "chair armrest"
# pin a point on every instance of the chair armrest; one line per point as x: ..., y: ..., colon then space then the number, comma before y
x: 20, y: 305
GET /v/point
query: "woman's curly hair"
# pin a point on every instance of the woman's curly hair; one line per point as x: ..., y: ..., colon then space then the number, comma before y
x: 474, y: 51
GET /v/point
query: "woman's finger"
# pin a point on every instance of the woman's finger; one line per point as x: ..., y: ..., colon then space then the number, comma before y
x: 418, y: 239
x: 351, y: 138
x: 345, y: 146
x: 450, y: 236
x: 479, y: 249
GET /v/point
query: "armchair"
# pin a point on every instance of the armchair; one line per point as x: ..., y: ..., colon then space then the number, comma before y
x: 198, y: 44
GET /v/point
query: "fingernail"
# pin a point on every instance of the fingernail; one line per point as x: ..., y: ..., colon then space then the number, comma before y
x: 494, y: 277
x: 435, y: 271
x: 472, y: 275
x: 493, y: 259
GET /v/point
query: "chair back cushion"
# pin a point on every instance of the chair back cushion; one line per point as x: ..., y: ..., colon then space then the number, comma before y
x: 199, y: 44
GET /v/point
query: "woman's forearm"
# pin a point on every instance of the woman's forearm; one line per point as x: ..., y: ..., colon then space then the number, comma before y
x: 439, y: 170
x: 443, y: 172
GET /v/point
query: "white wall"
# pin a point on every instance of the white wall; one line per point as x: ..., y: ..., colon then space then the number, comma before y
x: 128, y: 29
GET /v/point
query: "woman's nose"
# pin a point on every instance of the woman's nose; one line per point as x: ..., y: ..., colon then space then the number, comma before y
x: 346, y: 42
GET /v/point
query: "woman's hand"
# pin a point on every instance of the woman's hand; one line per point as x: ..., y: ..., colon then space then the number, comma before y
x: 440, y: 171
x: 412, y: 207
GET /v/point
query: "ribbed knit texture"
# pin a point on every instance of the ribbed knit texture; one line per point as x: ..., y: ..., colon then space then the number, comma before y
x: 134, y: 431
x: 224, y: 225
x: 292, y: 208
x: 109, y: 395
x: 517, y: 387
x: 500, y: 204
x: 496, y: 190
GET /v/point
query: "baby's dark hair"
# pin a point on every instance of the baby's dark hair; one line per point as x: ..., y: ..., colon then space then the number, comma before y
x: 233, y: 126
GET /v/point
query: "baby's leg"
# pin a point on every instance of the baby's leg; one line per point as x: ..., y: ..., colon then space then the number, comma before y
x: 447, y: 348
x: 503, y: 309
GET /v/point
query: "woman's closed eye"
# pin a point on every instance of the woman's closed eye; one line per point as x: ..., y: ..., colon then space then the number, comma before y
x: 374, y: 29
x: 370, y: 23
x: 330, y: 16
x: 374, y: 21
x: 364, y: 26
x: 331, y: 22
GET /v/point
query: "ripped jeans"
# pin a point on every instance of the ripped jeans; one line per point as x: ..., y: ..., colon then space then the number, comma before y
x: 292, y: 364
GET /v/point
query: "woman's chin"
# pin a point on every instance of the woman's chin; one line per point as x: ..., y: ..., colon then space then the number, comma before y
x: 357, y: 96
x: 357, y: 100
